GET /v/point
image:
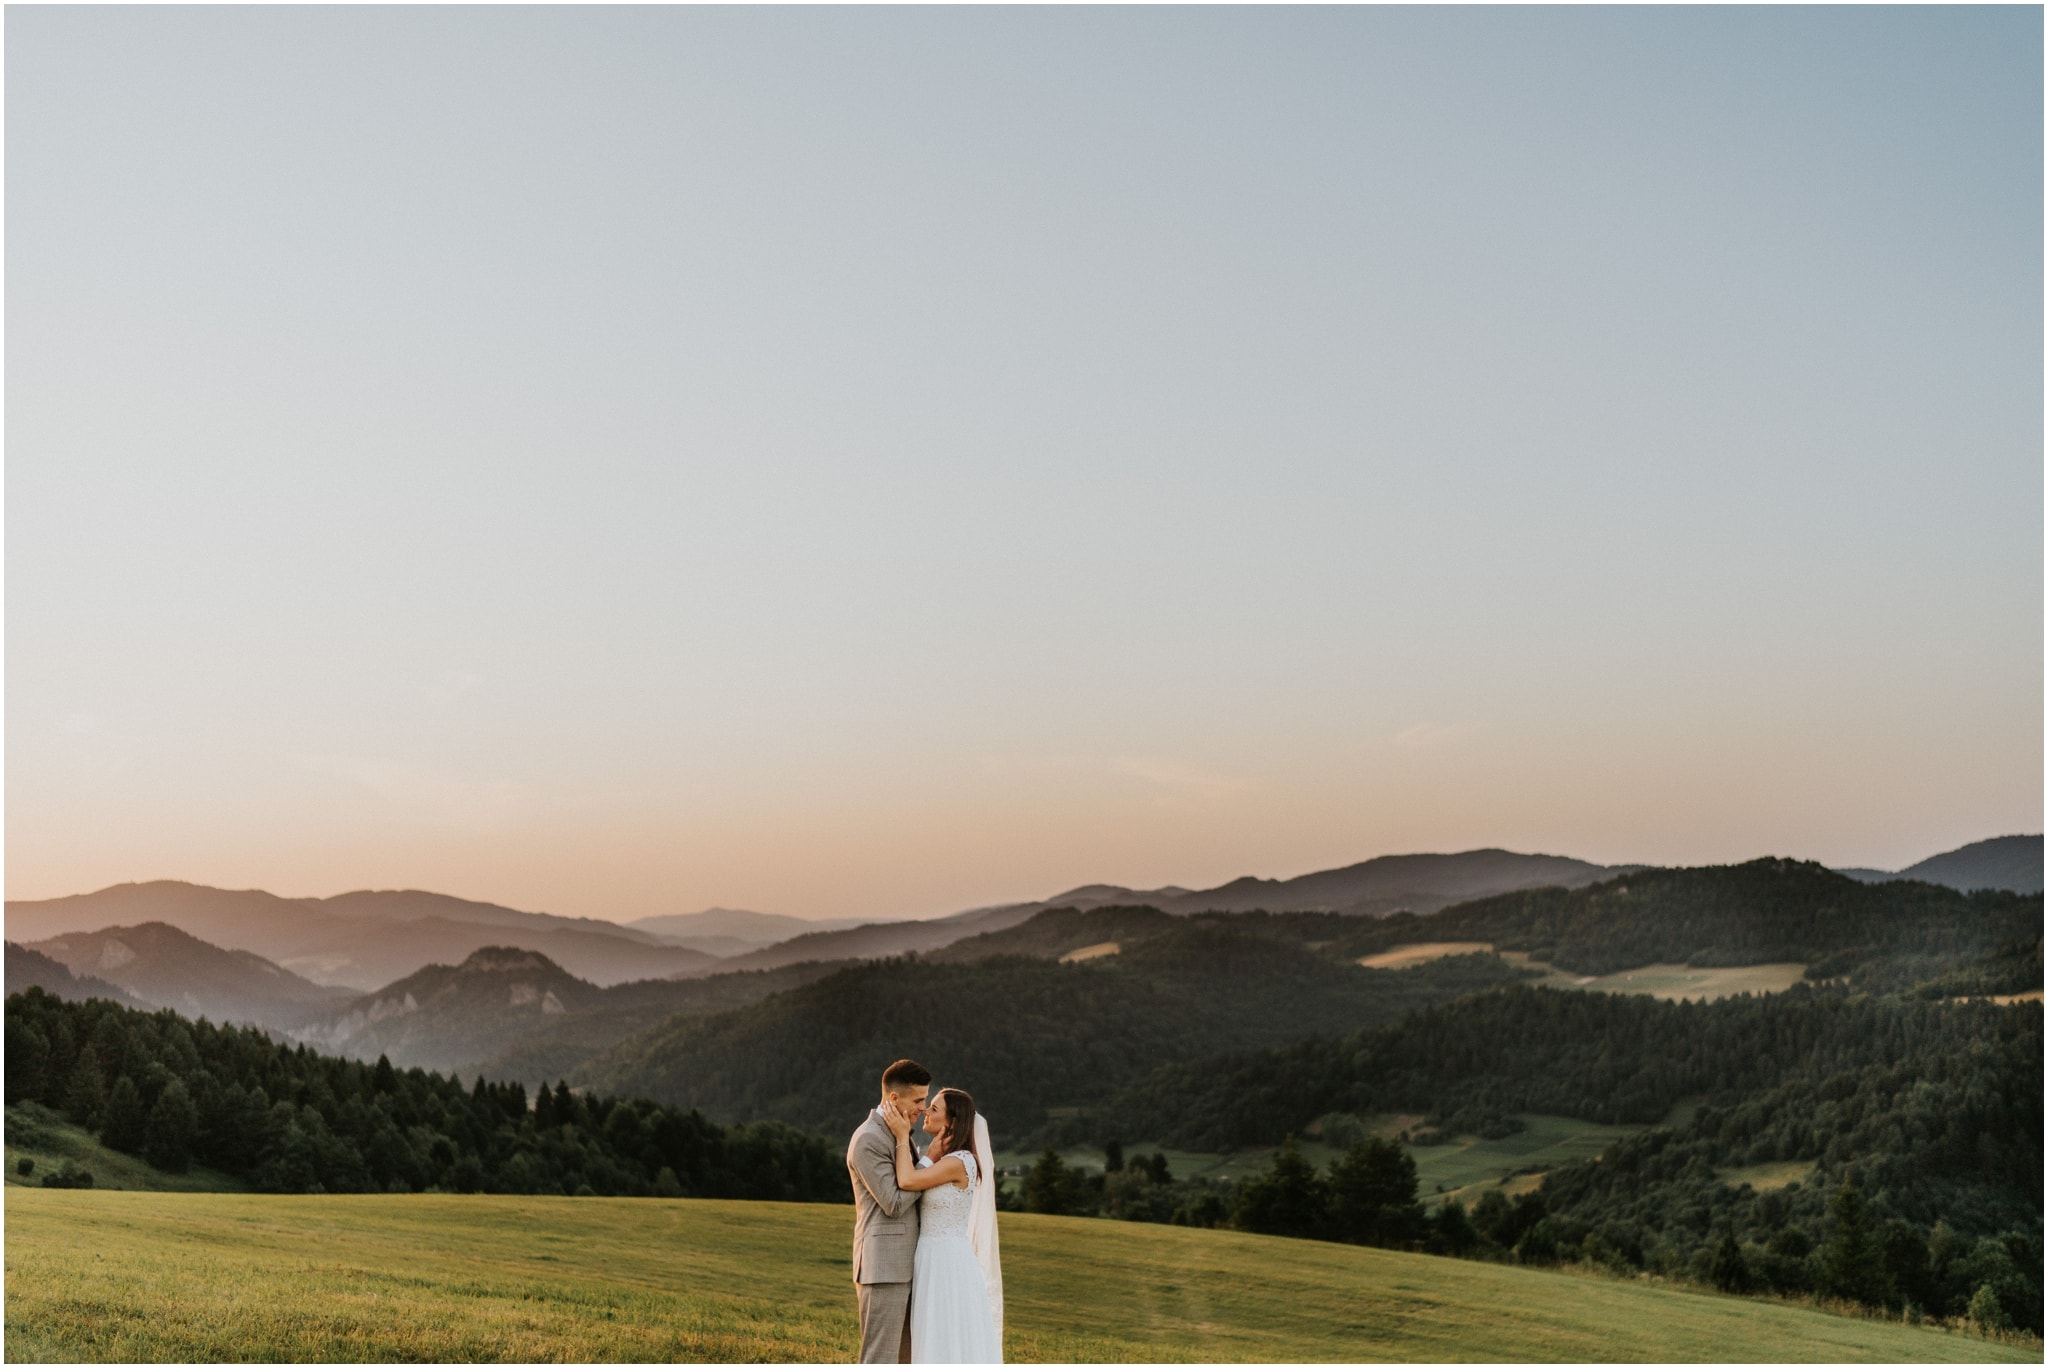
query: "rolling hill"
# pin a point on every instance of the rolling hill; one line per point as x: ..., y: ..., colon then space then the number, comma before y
x: 1417, y: 883
x: 444, y: 1017
x: 360, y: 940
x: 28, y: 968
x: 1062, y: 931
x: 561, y: 1045
x: 164, y: 967
x: 436, y: 1278
x: 1022, y: 1034
x: 1763, y: 911
x: 733, y: 931
x: 880, y: 940
x: 2012, y: 863
x: 1376, y: 887
x: 511, y: 1013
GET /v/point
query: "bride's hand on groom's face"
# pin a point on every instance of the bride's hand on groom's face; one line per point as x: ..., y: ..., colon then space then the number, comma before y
x: 895, y: 1120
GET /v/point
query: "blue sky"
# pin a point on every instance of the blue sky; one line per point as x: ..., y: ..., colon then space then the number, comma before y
x: 875, y: 462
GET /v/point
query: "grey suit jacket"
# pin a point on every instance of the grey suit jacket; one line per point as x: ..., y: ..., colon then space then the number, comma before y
x: 885, y: 1216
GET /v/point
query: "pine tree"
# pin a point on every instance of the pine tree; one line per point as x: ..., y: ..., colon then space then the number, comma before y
x: 126, y: 1123
x: 1051, y: 1187
x: 1850, y: 1265
x: 1288, y: 1199
x: 1453, y: 1232
x: 173, y: 1125
x: 1372, y: 1195
x: 85, y: 1102
x: 28, y: 1060
x: 1726, y: 1268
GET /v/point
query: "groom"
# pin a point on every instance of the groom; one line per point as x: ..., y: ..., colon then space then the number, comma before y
x: 885, y: 1219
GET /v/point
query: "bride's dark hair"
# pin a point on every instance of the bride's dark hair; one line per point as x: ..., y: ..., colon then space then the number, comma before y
x: 959, y: 1131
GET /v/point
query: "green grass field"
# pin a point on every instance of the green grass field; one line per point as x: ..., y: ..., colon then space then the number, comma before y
x: 1670, y: 981
x: 1768, y: 1177
x: 226, y: 1276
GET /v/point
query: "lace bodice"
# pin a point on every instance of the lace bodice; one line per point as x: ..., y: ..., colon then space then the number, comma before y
x: 945, y: 1208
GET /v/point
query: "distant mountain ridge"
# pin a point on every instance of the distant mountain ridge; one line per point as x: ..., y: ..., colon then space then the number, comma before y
x: 1376, y: 887
x: 880, y: 940
x: 1418, y: 883
x: 166, y: 967
x: 734, y: 931
x: 367, y: 939
x: 2011, y: 863
x: 360, y: 940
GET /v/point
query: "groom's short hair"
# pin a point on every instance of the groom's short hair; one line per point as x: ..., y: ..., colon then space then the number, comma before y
x: 905, y: 1073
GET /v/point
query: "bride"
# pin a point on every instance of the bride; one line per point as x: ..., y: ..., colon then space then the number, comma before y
x: 956, y: 1289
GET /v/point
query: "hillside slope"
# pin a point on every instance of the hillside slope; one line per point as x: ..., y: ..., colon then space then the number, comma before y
x: 879, y: 940
x: 1021, y: 1034
x: 165, y: 967
x: 733, y: 929
x: 1419, y: 883
x: 385, y: 1278
x: 560, y: 1046
x: 515, y: 1014
x: 2012, y: 863
x: 1061, y: 930
x: 1763, y: 911
x: 28, y: 968
x: 448, y: 1016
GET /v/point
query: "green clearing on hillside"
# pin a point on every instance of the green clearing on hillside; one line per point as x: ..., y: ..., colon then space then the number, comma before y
x: 1768, y: 1177
x: 35, y: 1134
x: 1669, y: 981
x: 170, y: 1276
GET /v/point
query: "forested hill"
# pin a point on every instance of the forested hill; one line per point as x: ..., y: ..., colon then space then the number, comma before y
x: 1597, y: 1056
x: 1931, y: 1111
x: 1060, y: 930
x: 28, y: 968
x: 1022, y: 1034
x: 1884, y: 935
x: 285, y: 1119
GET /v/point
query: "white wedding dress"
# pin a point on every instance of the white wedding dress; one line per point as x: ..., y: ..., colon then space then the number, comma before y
x: 956, y: 1291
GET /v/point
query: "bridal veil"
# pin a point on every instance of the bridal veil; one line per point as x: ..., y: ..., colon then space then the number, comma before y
x: 981, y: 1224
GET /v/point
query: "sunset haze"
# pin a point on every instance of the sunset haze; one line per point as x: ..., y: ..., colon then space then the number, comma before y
x: 876, y: 462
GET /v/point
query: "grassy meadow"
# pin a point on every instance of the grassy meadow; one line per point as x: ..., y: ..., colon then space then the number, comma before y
x: 224, y: 1276
x: 1670, y: 981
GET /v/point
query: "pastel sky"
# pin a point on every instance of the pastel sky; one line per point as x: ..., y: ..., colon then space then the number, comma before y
x: 885, y: 461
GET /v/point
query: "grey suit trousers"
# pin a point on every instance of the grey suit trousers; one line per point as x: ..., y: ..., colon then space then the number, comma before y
x: 885, y: 1322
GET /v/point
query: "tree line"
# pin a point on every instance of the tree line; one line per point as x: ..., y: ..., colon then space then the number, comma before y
x: 286, y: 1119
